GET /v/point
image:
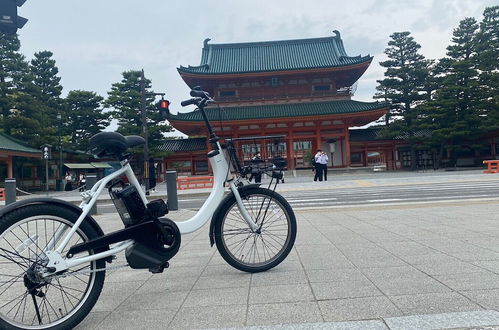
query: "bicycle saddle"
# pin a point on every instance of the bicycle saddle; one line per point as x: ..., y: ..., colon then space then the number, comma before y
x: 113, y: 144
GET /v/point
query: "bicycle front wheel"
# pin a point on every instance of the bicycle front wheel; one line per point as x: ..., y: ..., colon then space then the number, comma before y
x: 260, y: 250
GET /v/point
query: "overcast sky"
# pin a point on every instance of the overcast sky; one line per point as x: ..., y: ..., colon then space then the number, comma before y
x: 94, y: 41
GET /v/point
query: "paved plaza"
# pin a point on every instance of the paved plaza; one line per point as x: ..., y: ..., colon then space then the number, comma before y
x: 418, y: 266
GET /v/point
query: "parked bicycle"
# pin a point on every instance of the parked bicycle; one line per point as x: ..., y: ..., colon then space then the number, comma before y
x: 53, y: 254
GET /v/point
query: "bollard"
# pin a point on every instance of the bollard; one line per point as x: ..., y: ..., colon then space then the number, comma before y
x: 171, y: 190
x: 10, y: 191
x: 90, y: 181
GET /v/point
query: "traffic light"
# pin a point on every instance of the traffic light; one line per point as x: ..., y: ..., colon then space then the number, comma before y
x: 164, y: 104
x: 9, y: 21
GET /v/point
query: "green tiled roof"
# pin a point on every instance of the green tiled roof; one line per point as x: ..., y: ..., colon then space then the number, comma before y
x: 281, y: 110
x: 9, y: 143
x: 374, y: 133
x: 176, y: 145
x: 271, y: 56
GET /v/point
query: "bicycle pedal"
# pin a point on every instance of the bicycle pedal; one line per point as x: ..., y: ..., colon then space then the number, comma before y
x: 159, y: 269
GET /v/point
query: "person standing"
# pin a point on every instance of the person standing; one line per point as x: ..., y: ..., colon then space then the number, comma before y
x: 323, y: 159
x: 69, y: 180
x: 255, y: 171
x: 318, y: 166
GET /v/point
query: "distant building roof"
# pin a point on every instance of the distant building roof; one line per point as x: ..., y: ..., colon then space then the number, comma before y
x: 11, y: 144
x: 268, y: 56
x: 285, y: 110
x: 179, y: 145
x: 374, y: 133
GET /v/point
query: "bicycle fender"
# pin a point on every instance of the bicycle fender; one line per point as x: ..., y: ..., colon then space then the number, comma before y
x: 226, y: 200
x: 45, y: 200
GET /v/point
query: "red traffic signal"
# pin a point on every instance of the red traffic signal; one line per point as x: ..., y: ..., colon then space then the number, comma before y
x: 164, y: 104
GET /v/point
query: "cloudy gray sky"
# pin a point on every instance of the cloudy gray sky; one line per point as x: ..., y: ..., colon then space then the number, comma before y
x: 94, y: 41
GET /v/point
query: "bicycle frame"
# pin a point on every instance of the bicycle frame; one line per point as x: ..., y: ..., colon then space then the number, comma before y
x: 221, y: 172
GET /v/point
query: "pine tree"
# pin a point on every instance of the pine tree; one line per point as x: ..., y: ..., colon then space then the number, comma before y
x: 83, y: 117
x: 14, y: 74
x: 487, y: 48
x: 455, y: 110
x: 403, y: 87
x: 125, y: 100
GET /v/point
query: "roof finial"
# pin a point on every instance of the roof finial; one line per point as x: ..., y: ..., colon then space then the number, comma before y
x: 337, y: 34
x: 205, y: 42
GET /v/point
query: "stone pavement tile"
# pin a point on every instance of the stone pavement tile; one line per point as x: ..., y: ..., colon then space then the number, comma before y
x: 413, y: 285
x: 221, y: 269
x: 114, y: 294
x: 326, y: 263
x: 456, y: 267
x: 127, y: 275
x: 209, y: 317
x: 334, y: 275
x: 432, y: 303
x: 283, y: 313
x: 384, y: 236
x: 175, y: 272
x: 280, y: 293
x: 358, y: 309
x: 355, y: 325
x: 487, y: 298
x: 137, y: 320
x: 217, y: 297
x: 388, y: 261
x: 161, y: 283
x: 492, y: 265
x: 237, y: 280
x: 146, y: 301
x: 92, y: 321
x: 470, y: 281
x: 393, y: 273
x: 435, y: 257
x: 277, y: 278
x: 344, y: 289
x: 443, y: 321
x: 406, y: 248
x: 475, y: 254
x: 190, y: 261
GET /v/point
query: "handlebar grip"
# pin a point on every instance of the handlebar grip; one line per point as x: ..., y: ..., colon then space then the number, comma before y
x: 188, y: 102
x: 199, y: 93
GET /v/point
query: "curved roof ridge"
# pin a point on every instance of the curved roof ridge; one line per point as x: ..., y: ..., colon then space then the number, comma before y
x: 270, y: 42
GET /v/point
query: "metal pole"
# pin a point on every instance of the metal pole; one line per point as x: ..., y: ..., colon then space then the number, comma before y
x: 46, y: 174
x: 10, y: 191
x: 171, y: 189
x: 144, y: 128
x: 90, y: 181
x: 61, y: 188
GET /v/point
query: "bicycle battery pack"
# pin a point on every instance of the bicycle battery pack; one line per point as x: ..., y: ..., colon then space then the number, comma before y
x: 128, y: 203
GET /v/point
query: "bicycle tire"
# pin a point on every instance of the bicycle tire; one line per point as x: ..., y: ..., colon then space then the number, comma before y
x: 272, y: 213
x: 78, y: 308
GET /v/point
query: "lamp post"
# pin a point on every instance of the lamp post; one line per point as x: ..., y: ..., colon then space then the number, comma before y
x: 59, y: 180
x: 143, y: 100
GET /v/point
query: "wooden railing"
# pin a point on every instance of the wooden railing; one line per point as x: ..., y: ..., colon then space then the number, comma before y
x: 492, y: 166
x: 195, y: 182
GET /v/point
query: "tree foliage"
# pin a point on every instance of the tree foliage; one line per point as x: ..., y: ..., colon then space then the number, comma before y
x: 125, y: 98
x: 83, y: 117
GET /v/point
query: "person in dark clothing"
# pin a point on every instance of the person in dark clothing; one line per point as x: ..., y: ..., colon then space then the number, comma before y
x: 318, y: 166
x: 255, y: 173
x: 152, y: 175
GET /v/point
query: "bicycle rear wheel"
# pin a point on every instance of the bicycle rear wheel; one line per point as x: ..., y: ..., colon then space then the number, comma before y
x: 29, y: 301
x: 265, y: 248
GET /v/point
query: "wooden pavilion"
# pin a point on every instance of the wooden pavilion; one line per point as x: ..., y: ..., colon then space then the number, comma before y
x: 301, y: 89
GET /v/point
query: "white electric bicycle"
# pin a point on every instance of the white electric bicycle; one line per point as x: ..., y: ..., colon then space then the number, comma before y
x: 53, y: 254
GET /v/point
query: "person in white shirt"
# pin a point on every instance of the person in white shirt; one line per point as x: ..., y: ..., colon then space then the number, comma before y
x: 323, y: 159
x: 318, y: 166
